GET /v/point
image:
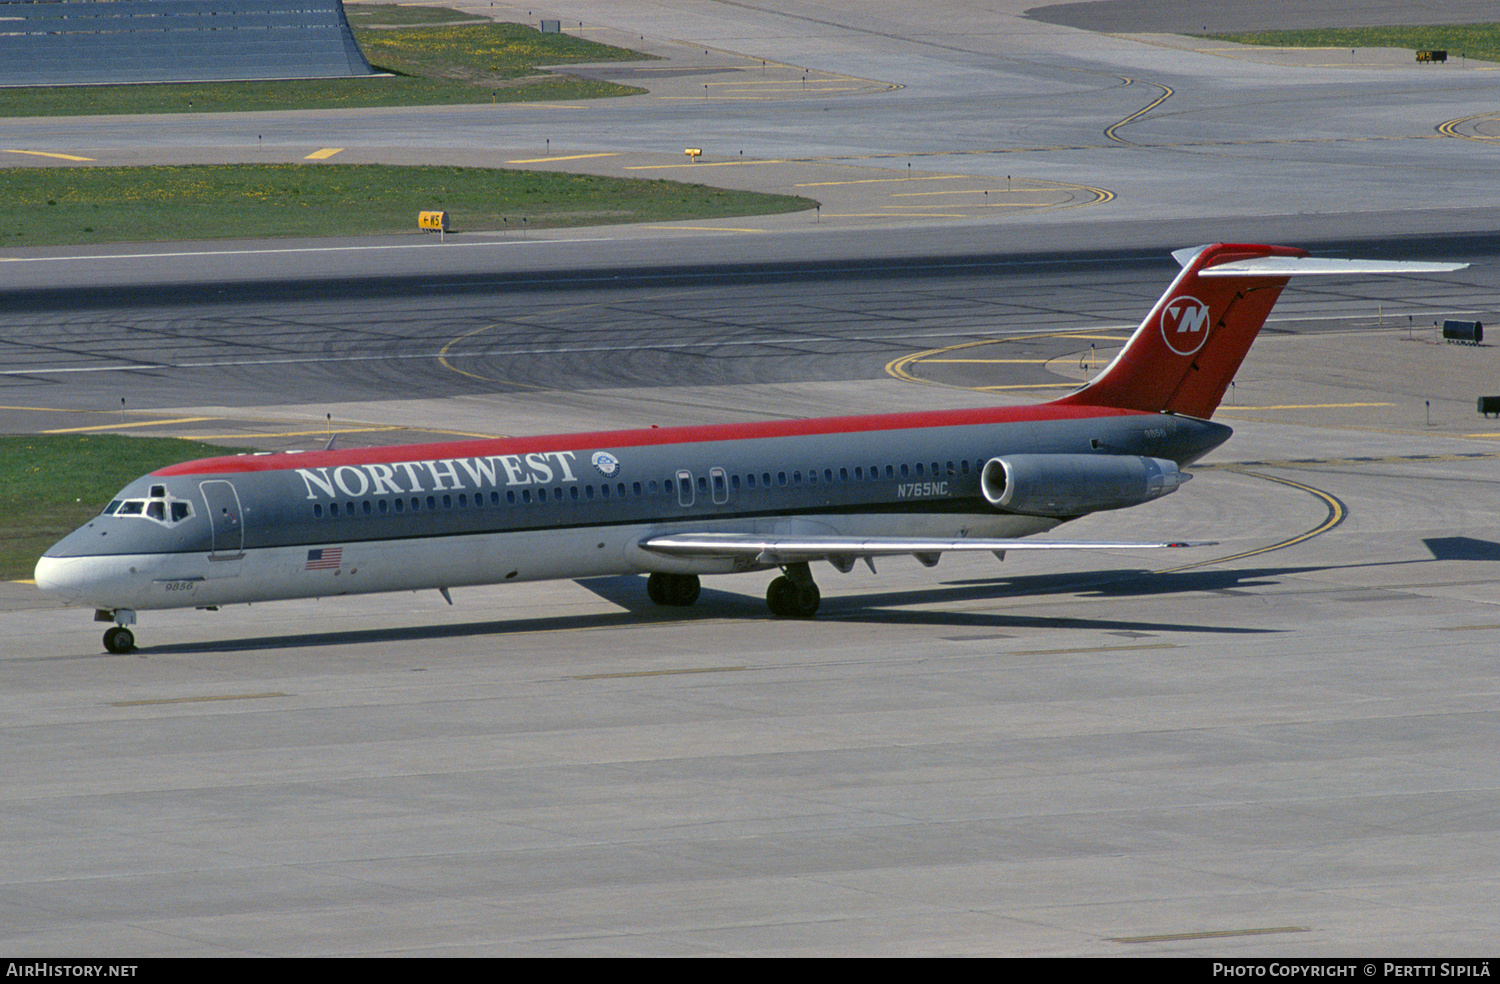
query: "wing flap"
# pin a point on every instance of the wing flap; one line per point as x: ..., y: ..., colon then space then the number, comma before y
x: 842, y: 550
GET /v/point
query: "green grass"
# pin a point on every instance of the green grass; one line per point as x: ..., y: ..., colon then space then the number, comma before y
x: 400, y: 15
x: 52, y: 484
x: 437, y: 65
x: 483, y: 55
x: 248, y: 97
x: 52, y: 205
x: 1478, y: 41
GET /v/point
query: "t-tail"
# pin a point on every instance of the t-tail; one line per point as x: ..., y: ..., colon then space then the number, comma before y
x: 1184, y: 355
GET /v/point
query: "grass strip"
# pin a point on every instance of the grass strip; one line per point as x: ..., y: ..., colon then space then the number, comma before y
x: 442, y: 64
x: 481, y: 54
x: 403, y: 15
x: 1477, y: 41
x: 51, y: 484
x: 80, y: 205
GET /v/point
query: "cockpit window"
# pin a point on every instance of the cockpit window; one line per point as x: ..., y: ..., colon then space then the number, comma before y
x: 160, y: 507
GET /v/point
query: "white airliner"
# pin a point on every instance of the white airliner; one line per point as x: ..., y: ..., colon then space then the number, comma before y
x: 677, y: 503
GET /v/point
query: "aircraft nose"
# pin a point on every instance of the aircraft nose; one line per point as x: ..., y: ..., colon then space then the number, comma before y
x: 61, y: 577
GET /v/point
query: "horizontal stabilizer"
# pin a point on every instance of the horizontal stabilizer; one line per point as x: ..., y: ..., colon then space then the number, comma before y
x: 1303, y: 266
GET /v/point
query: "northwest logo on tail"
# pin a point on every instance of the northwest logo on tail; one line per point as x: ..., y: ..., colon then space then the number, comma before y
x: 1184, y: 324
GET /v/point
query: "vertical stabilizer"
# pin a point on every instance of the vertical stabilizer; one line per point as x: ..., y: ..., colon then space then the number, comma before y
x: 1182, y: 357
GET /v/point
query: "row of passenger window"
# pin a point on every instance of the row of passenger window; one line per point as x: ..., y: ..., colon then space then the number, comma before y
x: 681, y: 487
x: 478, y: 500
x: 857, y: 474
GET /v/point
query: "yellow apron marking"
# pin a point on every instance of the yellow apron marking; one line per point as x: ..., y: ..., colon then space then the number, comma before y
x: 139, y: 423
x: 572, y: 157
x: 43, y: 153
x: 191, y: 700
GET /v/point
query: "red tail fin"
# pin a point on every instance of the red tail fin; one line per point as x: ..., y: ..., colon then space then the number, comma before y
x: 1182, y: 357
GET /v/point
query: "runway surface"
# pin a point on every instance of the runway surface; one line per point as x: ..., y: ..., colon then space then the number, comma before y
x: 1282, y: 745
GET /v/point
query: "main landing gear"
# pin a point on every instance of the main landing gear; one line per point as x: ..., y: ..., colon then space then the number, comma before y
x: 117, y: 639
x: 792, y: 595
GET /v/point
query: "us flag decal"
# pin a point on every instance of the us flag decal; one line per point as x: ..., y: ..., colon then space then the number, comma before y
x: 324, y: 559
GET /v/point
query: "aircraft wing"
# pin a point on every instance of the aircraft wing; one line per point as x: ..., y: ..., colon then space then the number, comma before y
x: 841, y: 551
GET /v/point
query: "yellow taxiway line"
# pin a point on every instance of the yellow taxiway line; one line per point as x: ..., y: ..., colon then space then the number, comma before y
x: 43, y: 153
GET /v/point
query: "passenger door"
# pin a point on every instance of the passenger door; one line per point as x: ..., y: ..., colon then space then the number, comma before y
x: 227, y: 521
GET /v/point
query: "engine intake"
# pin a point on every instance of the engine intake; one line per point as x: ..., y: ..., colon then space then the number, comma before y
x: 1066, y: 485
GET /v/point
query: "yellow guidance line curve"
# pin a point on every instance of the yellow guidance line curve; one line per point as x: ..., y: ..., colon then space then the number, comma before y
x: 1449, y: 128
x: 897, y: 367
x: 443, y: 359
x: 1337, y: 513
x: 1166, y: 93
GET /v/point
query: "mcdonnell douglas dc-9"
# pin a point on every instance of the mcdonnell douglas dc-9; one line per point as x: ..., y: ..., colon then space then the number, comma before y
x: 677, y: 503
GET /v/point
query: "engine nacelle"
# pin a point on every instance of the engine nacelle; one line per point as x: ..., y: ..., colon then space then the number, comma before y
x: 1066, y: 485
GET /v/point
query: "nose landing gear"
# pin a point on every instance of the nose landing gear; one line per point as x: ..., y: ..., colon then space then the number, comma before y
x: 118, y: 639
